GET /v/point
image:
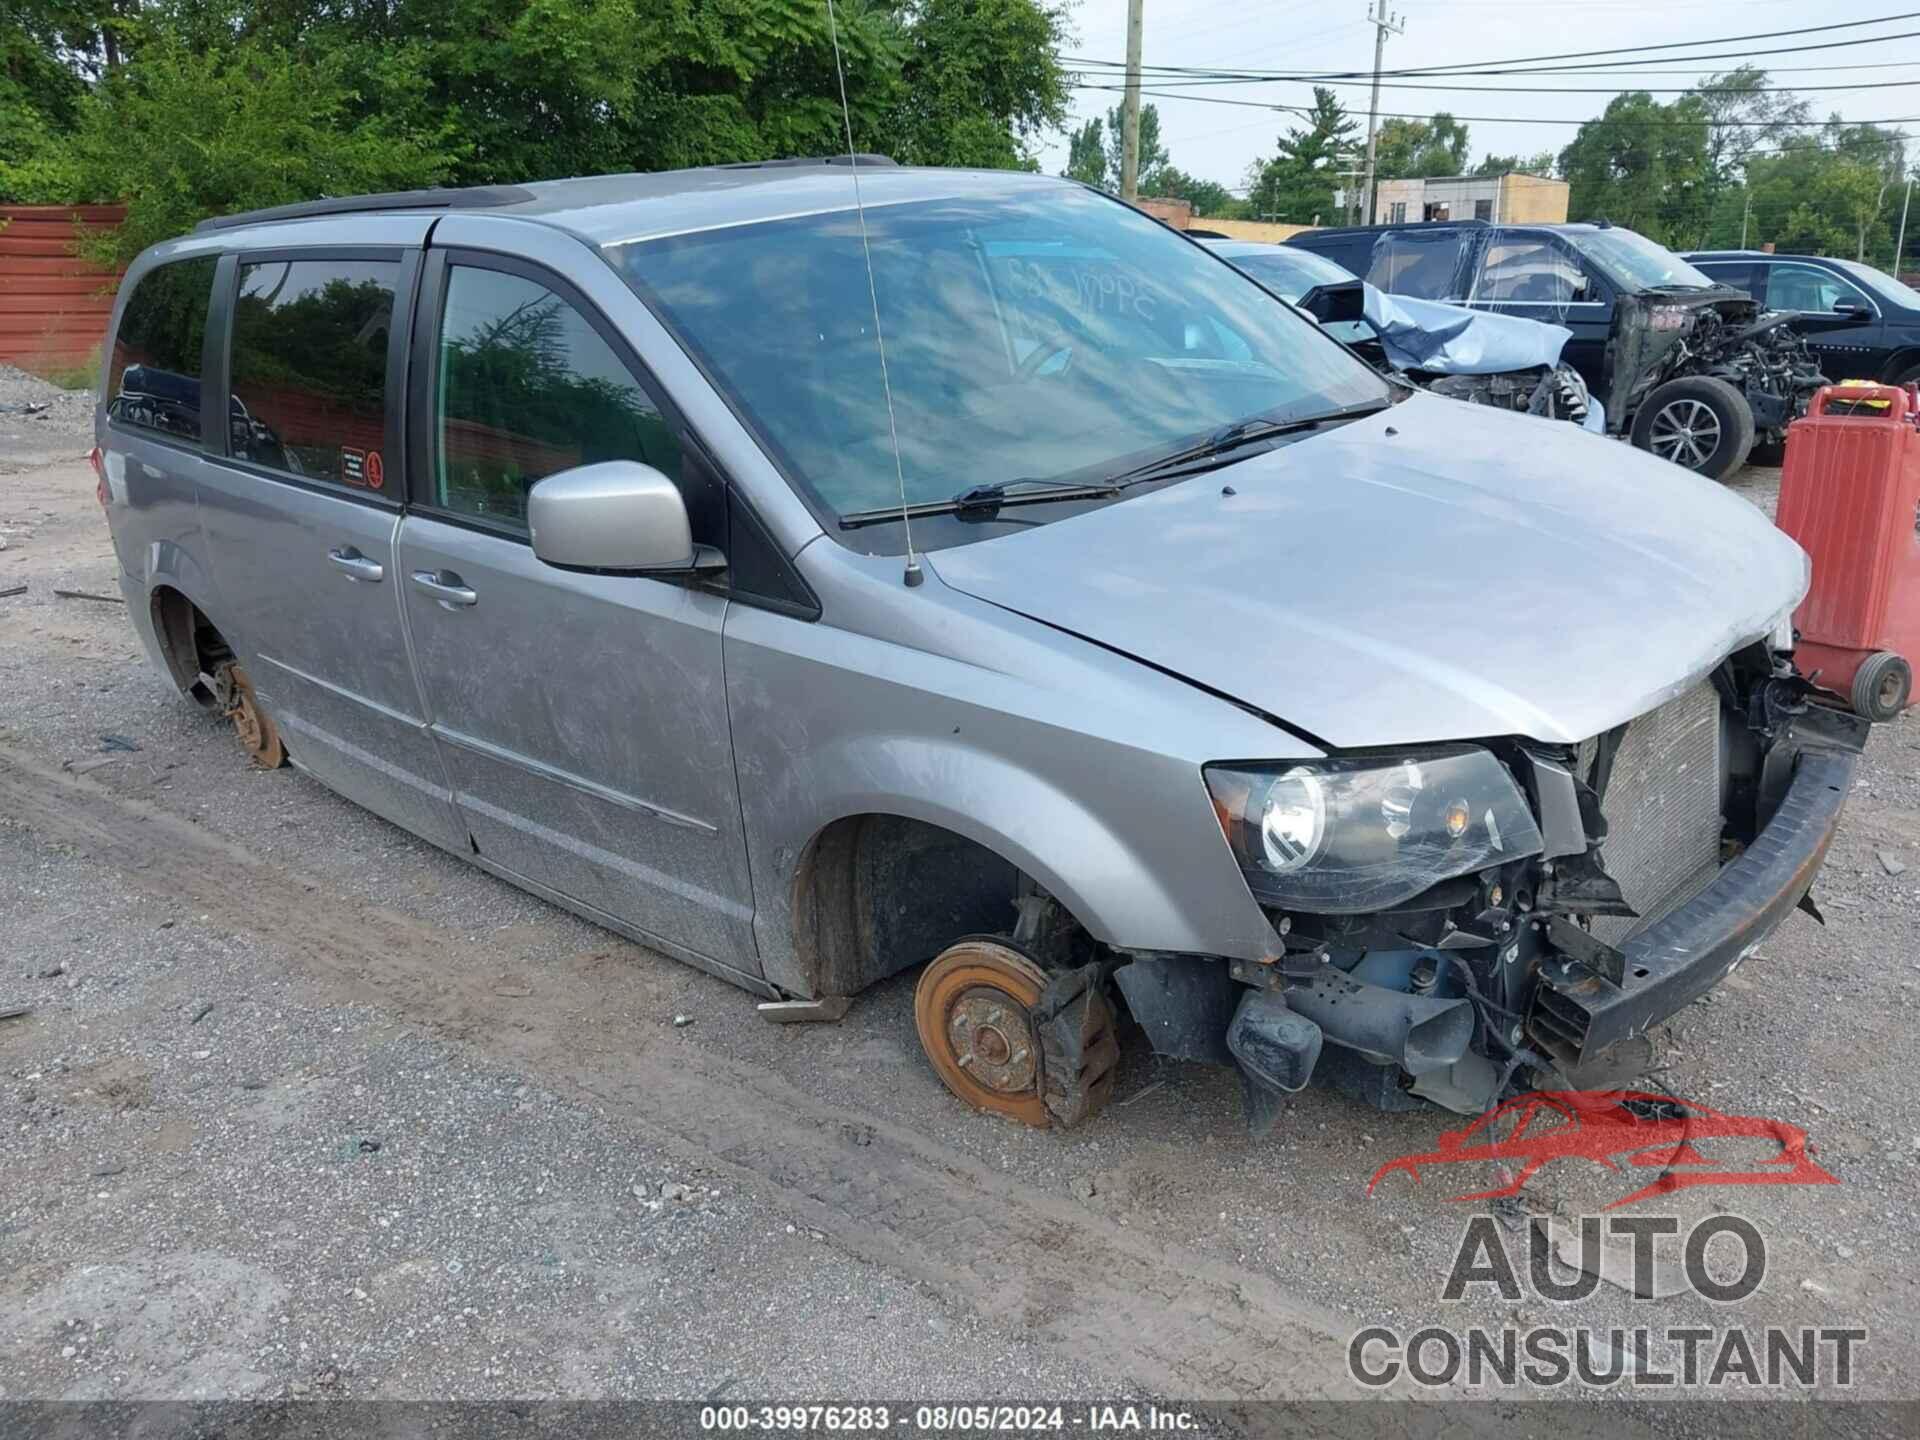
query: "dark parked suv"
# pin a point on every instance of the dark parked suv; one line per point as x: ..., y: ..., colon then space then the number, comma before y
x: 1859, y: 322
x: 1686, y: 365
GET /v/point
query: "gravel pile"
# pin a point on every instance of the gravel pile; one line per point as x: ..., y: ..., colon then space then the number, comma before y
x: 41, y: 409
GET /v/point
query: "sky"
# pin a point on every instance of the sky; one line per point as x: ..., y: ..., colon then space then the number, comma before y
x: 1217, y: 141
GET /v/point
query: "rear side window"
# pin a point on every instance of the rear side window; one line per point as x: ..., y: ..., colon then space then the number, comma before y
x: 1527, y: 270
x: 1740, y: 276
x: 527, y: 388
x: 153, y: 381
x: 309, y: 368
x: 1425, y: 265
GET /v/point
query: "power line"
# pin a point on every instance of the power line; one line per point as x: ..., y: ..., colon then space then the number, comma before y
x: 1558, y: 89
x: 1716, y: 40
x: 1500, y: 119
x: 1771, y: 70
x: 1531, y: 64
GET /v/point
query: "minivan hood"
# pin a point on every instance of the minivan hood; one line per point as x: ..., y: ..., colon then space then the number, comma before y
x: 1439, y: 571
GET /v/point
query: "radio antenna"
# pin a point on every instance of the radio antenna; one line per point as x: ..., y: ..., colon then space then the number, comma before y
x: 913, y: 576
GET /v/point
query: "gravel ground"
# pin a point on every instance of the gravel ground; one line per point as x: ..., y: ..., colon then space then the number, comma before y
x: 40, y: 422
x: 305, y: 1106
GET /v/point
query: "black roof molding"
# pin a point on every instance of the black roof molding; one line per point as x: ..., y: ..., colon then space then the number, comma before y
x: 474, y: 197
x: 796, y: 161
x: 480, y: 197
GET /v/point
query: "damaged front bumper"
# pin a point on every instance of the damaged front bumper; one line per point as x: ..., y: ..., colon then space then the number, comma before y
x: 1543, y: 966
x: 1579, y: 1013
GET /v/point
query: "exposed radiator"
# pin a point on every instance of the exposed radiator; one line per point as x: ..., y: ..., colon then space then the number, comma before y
x: 1663, y: 809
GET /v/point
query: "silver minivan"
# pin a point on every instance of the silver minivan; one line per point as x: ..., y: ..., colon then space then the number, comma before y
x: 815, y: 570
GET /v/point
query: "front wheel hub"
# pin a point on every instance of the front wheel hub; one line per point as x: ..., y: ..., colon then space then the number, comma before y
x: 973, y: 1008
x: 992, y: 1041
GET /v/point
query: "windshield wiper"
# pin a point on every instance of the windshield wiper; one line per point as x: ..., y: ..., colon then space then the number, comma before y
x: 1224, y: 441
x: 986, y: 500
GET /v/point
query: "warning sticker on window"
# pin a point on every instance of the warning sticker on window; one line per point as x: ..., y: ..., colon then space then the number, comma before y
x: 376, y: 471
x: 353, y: 466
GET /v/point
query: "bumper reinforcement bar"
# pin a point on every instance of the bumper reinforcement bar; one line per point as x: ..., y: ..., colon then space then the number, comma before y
x: 1578, y: 1013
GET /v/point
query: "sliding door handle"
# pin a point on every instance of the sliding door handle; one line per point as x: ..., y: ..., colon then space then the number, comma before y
x: 446, y: 587
x: 355, y: 566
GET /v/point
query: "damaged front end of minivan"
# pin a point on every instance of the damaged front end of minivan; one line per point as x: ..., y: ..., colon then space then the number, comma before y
x: 1465, y: 919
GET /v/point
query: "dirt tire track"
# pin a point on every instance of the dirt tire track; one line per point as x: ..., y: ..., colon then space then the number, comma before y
x: 1165, y: 1317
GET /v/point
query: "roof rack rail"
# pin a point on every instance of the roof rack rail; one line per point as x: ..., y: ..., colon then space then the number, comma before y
x: 473, y: 197
x: 795, y: 161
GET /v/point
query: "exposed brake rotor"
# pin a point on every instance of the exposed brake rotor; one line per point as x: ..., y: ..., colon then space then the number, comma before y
x: 259, y: 736
x: 973, y: 1007
x: 1008, y: 1038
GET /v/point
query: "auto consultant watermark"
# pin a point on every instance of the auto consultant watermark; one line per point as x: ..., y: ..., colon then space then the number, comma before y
x: 1657, y: 1145
x: 1656, y: 1139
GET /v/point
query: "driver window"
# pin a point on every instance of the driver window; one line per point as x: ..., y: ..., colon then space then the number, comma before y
x: 527, y: 388
x: 1803, y: 288
x: 1523, y: 271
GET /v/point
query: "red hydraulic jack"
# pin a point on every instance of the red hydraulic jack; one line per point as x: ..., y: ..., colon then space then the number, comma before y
x: 1850, y: 494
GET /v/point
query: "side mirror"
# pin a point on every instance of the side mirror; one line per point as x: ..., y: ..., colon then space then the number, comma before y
x: 1335, y: 302
x: 619, y: 516
x: 1851, y: 310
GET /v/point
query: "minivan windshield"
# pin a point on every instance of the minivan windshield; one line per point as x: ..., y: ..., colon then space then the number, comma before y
x: 1030, y: 335
x: 1636, y: 263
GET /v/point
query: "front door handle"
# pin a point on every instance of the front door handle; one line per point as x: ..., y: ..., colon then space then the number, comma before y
x: 446, y: 587
x: 355, y: 566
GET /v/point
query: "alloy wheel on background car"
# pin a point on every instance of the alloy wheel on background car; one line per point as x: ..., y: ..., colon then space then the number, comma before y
x: 1685, y: 432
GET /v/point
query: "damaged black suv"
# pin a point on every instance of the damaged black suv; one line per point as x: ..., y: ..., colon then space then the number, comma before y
x: 1688, y: 367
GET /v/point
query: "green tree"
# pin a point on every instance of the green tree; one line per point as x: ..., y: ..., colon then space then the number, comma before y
x: 1087, y: 154
x: 246, y: 126
x: 1152, y: 154
x: 1835, y: 191
x: 978, y: 83
x: 43, y: 78
x: 1298, y: 183
x: 1643, y: 165
x: 1540, y: 164
x: 414, y: 92
x: 1420, y: 149
x: 1395, y: 144
x: 1745, y: 113
x: 1207, y: 197
x: 1094, y: 152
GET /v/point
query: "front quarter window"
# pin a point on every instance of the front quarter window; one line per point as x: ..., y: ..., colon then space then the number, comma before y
x: 1031, y: 334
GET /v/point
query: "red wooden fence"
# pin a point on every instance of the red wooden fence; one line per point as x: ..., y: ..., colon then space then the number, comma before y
x: 54, y: 307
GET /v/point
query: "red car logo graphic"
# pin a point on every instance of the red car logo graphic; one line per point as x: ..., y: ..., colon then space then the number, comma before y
x: 1623, y: 1130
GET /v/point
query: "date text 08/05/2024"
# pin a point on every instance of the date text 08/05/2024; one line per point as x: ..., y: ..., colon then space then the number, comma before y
x: 859, y: 1419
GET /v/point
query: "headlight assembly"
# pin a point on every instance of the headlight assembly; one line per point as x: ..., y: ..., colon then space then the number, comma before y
x: 1344, y: 836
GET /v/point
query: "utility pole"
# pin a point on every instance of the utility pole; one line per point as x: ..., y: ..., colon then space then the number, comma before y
x: 1382, y: 23
x: 1745, y: 210
x: 1350, y: 191
x: 1900, y: 240
x: 1130, y: 109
